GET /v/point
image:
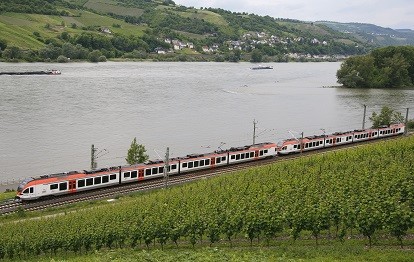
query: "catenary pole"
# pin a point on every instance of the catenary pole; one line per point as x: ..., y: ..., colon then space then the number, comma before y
x: 406, y: 122
x: 254, y: 131
x: 166, y: 166
x: 363, y: 120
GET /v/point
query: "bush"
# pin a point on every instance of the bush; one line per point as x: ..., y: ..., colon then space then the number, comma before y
x: 410, y: 124
x: 94, y: 56
x: 62, y: 59
x: 102, y: 58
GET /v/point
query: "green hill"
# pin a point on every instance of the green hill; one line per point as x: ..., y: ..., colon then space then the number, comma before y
x: 41, y: 30
x: 374, y: 34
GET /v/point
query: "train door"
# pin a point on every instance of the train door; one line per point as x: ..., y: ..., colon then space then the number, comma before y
x: 140, y: 174
x: 72, y: 186
x: 213, y: 162
x: 256, y: 154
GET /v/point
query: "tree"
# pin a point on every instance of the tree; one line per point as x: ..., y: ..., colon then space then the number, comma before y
x: 136, y: 153
x: 94, y: 56
x: 257, y: 56
x: 387, y: 117
x: 3, y: 44
x: 12, y: 52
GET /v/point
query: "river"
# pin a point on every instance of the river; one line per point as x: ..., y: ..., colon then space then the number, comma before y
x: 48, y: 123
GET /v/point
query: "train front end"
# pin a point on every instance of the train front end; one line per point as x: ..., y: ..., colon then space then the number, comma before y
x: 23, y: 190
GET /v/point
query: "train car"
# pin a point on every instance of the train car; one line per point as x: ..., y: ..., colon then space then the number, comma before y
x: 392, y: 130
x: 66, y: 183
x: 253, y: 152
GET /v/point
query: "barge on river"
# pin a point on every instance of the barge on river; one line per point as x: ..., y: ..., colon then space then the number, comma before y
x: 46, y: 72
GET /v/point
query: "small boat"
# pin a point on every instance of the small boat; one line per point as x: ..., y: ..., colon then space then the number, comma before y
x: 47, y: 72
x: 261, y: 67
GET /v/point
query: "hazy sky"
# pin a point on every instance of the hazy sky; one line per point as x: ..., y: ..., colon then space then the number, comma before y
x: 397, y: 14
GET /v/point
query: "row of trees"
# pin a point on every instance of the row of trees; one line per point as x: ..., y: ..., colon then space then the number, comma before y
x: 365, y: 191
x: 388, y: 67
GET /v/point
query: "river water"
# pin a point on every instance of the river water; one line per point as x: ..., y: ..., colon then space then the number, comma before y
x: 48, y: 123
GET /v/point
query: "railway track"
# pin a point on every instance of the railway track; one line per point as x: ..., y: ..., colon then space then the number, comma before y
x: 11, y: 206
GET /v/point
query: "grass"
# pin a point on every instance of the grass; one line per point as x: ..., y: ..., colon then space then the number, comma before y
x: 298, y: 251
x: 205, y: 15
x: 7, y: 195
x: 18, y: 28
x: 106, y: 6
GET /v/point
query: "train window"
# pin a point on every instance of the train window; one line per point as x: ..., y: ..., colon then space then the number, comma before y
x: 161, y: 169
x: 266, y: 151
x: 105, y: 179
x: 97, y: 180
x: 63, y: 186
x: 134, y: 174
x: 148, y: 172
x: 232, y: 157
x: 184, y: 164
x: 127, y: 174
x: 190, y: 164
x: 238, y: 157
x: 261, y: 153
x: 207, y: 162
x: 251, y: 154
x: 223, y: 158
x: 26, y: 191
x: 247, y: 155
x: 155, y: 170
x: 242, y: 156
x: 174, y: 166
x: 299, y: 146
x: 54, y: 186
x: 295, y: 146
x: 89, y: 181
x: 81, y: 183
x: 306, y: 145
x: 112, y: 177
x: 218, y: 160
x: 202, y: 162
x: 31, y: 190
x: 196, y: 163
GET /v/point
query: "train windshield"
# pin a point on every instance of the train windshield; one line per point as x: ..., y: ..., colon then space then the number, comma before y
x: 23, y: 183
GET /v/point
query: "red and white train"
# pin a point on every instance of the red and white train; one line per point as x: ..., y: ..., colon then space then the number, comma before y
x: 76, y: 181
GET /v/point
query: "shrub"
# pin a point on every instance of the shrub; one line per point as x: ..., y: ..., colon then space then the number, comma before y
x: 62, y: 59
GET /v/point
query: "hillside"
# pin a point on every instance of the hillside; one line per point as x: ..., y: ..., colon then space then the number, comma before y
x: 373, y: 34
x: 44, y: 30
x: 331, y: 205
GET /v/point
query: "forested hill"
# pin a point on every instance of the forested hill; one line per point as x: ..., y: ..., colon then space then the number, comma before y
x: 45, y: 30
x: 374, y: 34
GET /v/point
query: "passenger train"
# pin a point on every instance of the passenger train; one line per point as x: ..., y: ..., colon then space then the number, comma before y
x: 77, y: 181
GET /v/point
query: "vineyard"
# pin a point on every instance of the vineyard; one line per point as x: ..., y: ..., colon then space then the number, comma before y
x: 365, y: 191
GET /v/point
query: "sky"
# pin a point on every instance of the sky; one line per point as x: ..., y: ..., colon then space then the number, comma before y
x: 396, y: 14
